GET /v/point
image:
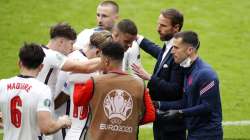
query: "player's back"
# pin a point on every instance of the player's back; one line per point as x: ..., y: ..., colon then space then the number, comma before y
x: 52, y: 64
x: 21, y: 98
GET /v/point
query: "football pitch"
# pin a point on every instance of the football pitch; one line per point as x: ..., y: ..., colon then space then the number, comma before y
x: 223, y: 27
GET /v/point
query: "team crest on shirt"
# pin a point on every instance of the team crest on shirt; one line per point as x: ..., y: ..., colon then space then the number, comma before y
x: 47, y: 102
x: 118, y: 106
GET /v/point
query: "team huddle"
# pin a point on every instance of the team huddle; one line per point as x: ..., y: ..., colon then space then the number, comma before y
x: 91, y: 86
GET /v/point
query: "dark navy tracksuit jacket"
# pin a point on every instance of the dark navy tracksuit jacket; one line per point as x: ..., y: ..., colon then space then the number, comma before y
x: 201, y: 103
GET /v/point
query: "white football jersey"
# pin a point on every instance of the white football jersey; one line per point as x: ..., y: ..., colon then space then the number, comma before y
x: 132, y: 55
x: 62, y: 110
x: 83, y: 38
x: 78, y: 115
x: 52, y: 63
x: 63, y: 77
x: 21, y: 98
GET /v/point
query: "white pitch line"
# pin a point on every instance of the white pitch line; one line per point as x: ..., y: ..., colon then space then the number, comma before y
x: 226, y: 123
x: 236, y: 123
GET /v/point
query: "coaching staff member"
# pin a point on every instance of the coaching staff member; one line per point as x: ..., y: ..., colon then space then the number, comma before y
x: 201, y: 103
x: 166, y: 82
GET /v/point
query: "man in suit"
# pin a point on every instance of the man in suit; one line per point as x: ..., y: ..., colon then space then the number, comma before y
x: 166, y: 82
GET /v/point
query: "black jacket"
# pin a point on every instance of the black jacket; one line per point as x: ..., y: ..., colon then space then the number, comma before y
x: 166, y: 83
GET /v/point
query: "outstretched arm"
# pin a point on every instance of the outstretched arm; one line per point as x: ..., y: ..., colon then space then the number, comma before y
x: 82, y: 66
x: 149, y: 47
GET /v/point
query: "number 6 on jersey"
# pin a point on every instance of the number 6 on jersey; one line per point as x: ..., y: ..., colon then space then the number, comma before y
x: 16, y: 114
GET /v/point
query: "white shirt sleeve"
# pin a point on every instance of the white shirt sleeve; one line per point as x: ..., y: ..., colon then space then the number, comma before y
x: 45, y: 100
x: 83, y: 38
x: 54, y: 58
x: 139, y: 39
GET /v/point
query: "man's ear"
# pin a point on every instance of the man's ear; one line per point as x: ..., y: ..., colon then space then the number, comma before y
x: 61, y: 40
x: 117, y: 17
x: 177, y: 28
x: 115, y: 33
x: 97, y: 53
x: 40, y: 67
x: 19, y: 63
x: 107, y: 61
x: 190, y: 50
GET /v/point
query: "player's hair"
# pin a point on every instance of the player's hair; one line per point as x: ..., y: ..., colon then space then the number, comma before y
x: 31, y: 55
x: 127, y: 26
x: 99, y: 39
x: 189, y: 37
x: 111, y: 3
x: 175, y: 16
x: 113, y: 50
x: 62, y: 30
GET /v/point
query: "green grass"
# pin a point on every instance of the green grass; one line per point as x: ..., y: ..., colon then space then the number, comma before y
x: 223, y: 26
x: 231, y: 133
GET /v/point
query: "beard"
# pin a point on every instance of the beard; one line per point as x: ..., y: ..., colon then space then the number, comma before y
x: 166, y: 37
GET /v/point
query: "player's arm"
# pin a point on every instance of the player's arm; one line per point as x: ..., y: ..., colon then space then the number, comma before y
x: 61, y: 99
x: 45, y: 121
x: 149, y: 115
x: 57, y: 60
x: 88, y: 66
x: 49, y: 126
x: 148, y: 46
x: 83, y: 93
x: 166, y: 105
x: 209, y: 97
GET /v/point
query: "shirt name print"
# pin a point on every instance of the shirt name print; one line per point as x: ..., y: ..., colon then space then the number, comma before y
x: 19, y: 86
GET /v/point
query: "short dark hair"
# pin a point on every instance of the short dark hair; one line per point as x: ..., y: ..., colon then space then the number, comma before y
x: 127, y: 26
x: 62, y: 30
x: 112, y: 3
x: 99, y: 39
x: 31, y: 55
x: 189, y: 37
x: 113, y: 50
x: 174, y: 15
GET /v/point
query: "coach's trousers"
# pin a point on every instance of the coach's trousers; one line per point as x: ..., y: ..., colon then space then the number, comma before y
x: 172, y: 135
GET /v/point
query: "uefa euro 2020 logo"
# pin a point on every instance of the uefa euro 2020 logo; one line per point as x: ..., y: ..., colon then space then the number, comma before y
x: 118, y: 105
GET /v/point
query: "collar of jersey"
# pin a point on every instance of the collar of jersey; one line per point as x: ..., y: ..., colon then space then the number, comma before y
x: 24, y: 76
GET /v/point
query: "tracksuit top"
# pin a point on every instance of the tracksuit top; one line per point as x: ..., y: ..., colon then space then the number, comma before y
x: 201, y: 103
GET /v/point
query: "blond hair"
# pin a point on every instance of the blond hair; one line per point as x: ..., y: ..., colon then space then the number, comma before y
x: 99, y: 39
